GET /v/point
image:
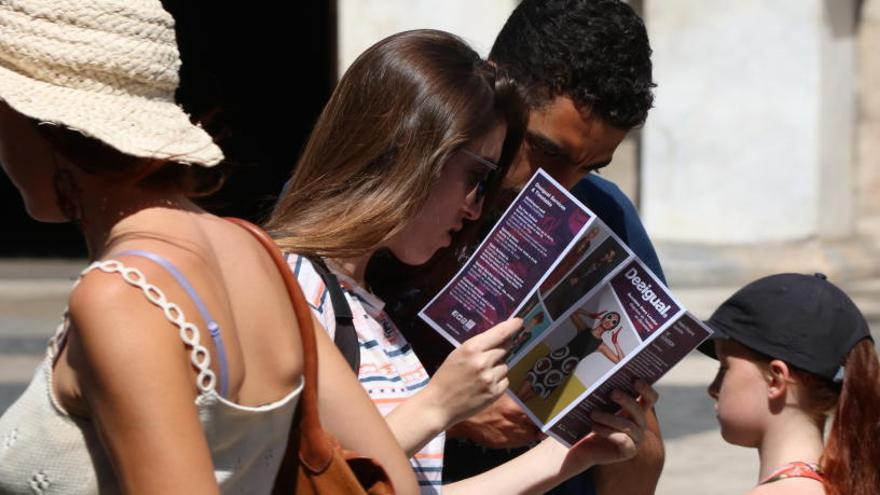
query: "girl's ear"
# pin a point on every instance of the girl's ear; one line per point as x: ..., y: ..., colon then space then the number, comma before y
x: 778, y: 376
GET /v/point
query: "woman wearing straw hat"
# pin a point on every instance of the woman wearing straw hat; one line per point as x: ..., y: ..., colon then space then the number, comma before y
x: 174, y: 369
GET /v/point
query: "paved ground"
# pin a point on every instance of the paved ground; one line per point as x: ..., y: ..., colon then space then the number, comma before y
x: 33, y: 293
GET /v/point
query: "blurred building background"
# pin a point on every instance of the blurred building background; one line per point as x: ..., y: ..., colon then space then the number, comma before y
x: 762, y: 153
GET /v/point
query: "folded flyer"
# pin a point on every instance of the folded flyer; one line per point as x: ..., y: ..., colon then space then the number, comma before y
x: 595, y: 318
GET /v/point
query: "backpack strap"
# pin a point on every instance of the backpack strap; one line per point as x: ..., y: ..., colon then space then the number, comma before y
x: 345, y: 335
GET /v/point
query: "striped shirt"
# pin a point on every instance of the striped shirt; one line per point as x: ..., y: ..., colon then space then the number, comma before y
x: 389, y: 371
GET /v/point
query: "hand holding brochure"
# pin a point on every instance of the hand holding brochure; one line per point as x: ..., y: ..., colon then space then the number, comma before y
x: 594, y: 317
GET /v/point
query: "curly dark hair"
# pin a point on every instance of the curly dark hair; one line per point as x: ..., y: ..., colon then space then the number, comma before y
x: 594, y: 51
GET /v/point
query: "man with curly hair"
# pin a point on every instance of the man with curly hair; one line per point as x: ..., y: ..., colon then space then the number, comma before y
x: 586, y: 68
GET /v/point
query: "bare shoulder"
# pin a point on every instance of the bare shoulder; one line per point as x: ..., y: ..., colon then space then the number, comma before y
x: 137, y: 381
x: 115, y: 324
x: 100, y: 296
x: 790, y: 486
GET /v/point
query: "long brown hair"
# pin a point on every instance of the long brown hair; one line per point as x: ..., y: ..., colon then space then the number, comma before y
x: 403, y: 108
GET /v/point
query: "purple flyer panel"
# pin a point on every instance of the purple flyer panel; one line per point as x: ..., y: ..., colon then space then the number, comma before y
x: 644, y: 299
x: 585, y: 276
x: 526, y: 241
x: 649, y: 364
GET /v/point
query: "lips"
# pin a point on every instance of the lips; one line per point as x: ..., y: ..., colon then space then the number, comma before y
x: 450, y: 234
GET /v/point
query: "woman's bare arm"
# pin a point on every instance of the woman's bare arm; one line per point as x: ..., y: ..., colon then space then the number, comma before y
x: 608, y: 353
x: 349, y: 415
x: 138, y: 387
x: 470, y: 378
x: 614, y: 438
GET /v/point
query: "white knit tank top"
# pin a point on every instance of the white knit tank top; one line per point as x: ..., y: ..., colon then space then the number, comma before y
x: 45, y: 450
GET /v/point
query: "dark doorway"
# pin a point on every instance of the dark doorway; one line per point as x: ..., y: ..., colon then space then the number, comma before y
x: 261, y: 76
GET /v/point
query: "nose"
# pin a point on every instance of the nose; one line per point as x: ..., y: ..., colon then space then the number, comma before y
x: 713, y: 388
x: 472, y: 207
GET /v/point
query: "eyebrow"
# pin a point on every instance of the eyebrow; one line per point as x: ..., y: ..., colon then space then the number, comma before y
x: 548, y: 144
x: 556, y: 149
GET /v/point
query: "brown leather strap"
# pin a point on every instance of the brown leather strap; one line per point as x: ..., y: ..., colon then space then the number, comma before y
x: 316, y: 451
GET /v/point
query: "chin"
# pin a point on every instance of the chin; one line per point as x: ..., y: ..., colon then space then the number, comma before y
x: 736, y: 436
x: 414, y: 260
x: 413, y: 257
x: 44, y: 216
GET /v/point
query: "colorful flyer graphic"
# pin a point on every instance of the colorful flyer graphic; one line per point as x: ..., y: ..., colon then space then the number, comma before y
x: 585, y: 276
x: 585, y: 345
x: 530, y: 237
x: 648, y: 363
x: 594, y: 316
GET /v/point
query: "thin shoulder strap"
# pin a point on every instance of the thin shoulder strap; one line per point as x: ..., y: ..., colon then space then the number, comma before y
x: 315, y: 448
x: 189, y: 333
x: 345, y: 335
x: 213, y: 327
x: 795, y: 469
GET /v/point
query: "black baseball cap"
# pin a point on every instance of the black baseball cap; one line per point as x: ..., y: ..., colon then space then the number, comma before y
x: 804, y: 320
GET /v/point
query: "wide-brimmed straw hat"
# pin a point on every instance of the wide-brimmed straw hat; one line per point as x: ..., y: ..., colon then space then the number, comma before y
x: 105, y: 68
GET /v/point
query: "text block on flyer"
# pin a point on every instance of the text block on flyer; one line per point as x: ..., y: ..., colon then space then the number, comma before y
x: 526, y: 241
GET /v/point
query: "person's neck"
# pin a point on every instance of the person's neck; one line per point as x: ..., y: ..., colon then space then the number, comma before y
x: 110, y: 216
x: 356, y: 267
x: 792, y: 437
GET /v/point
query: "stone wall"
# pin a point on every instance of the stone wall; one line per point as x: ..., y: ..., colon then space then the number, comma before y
x: 868, y: 172
x: 364, y: 22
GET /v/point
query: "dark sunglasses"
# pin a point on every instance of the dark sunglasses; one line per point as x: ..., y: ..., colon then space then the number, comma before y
x: 483, y: 185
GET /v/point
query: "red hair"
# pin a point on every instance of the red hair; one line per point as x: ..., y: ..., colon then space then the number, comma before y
x: 851, y: 460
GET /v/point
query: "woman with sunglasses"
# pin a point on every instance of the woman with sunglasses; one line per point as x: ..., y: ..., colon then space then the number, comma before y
x: 416, y: 136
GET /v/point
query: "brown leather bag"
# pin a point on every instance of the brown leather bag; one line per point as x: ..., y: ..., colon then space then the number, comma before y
x: 314, y: 462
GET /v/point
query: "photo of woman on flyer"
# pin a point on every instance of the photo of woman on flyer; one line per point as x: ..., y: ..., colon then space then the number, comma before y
x: 552, y: 370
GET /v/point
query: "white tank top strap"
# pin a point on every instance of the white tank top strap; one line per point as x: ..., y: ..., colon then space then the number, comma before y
x: 59, y: 338
x: 189, y: 333
x: 56, y: 343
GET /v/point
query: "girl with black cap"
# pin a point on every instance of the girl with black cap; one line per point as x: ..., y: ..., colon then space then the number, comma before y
x: 794, y: 350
